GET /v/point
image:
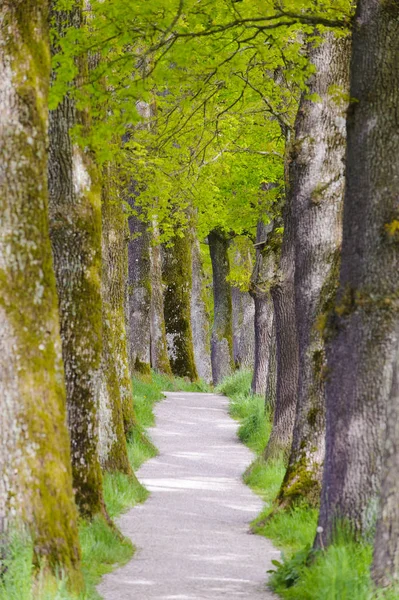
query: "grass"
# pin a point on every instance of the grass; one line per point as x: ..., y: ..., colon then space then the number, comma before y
x: 341, y: 572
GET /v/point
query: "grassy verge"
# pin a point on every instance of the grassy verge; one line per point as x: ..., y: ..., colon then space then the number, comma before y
x: 342, y: 572
x: 103, y: 549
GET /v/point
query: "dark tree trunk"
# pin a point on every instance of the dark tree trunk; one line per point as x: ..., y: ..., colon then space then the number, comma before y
x: 159, y: 349
x: 35, y: 461
x: 282, y: 292
x: 177, y: 307
x: 261, y: 279
x: 200, y: 317
x: 139, y: 309
x: 75, y: 230
x: 363, y: 327
x: 222, y: 332
x: 316, y: 188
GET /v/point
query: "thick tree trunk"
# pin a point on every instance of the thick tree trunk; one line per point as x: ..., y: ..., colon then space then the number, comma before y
x: 385, y: 570
x: 316, y: 187
x: 75, y: 230
x: 35, y: 467
x: 243, y: 307
x: 177, y: 276
x: 364, y: 328
x: 282, y: 292
x: 159, y: 348
x: 116, y: 404
x: 200, y: 317
x: 222, y: 331
x: 139, y: 311
x: 115, y: 261
x: 261, y: 279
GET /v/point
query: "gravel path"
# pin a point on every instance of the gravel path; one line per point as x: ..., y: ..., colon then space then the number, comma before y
x: 192, y: 535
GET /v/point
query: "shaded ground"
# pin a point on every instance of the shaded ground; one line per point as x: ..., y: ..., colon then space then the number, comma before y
x: 192, y: 534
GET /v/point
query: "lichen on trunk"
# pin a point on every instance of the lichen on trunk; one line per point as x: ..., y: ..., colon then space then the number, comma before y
x: 36, y: 478
x: 200, y: 316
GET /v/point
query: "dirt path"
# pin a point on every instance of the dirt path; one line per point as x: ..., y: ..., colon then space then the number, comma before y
x: 192, y: 534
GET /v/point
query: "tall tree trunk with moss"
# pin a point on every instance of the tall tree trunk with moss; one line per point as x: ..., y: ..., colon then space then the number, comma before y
x: 271, y: 384
x: 317, y: 183
x: 116, y: 402
x: 222, y: 332
x: 139, y: 290
x: 362, y: 350
x: 261, y: 279
x: 282, y: 292
x: 159, y: 348
x: 200, y: 316
x: 75, y: 231
x: 35, y: 467
x: 177, y: 276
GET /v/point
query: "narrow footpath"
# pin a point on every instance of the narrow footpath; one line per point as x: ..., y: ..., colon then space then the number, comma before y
x: 192, y: 535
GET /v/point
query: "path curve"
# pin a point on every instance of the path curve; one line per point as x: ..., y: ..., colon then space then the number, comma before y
x: 192, y: 534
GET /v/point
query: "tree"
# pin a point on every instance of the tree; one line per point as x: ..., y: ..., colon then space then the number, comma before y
x: 177, y: 275
x: 363, y: 325
x: 199, y: 315
x: 222, y: 331
x: 36, y: 479
x: 316, y: 175
x: 75, y: 231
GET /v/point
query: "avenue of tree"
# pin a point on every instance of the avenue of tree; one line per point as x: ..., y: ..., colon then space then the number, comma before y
x: 195, y: 188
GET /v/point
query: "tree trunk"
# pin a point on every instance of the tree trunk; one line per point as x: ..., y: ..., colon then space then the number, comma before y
x: 271, y: 385
x: 316, y: 186
x: 75, y: 231
x: 364, y: 324
x: 200, y: 317
x: 385, y: 569
x: 243, y: 307
x: 261, y: 278
x: 282, y: 292
x: 177, y: 276
x: 35, y: 467
x: 115, y: 261
x: 139, y: 311
x: 222, y: 331
x: 115, y: 418
x: 159, y: 348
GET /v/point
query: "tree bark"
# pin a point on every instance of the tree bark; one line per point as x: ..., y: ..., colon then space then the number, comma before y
x: 75, y: 231
x: 282, y: 292
x: 139, y: 311
x: 159, y: 348
x: 35, y: 467
x: 361, y: 353
x: 177, y: 276
x: 243, y: 307
x: 116, y: 403
x: 199, y: 316
x: 222, y: 331
x: 261, y: 279
x: 316, y: 186
x: 271, y: 385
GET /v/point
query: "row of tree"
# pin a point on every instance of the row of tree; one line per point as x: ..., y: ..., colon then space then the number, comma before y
x: 263, y: 137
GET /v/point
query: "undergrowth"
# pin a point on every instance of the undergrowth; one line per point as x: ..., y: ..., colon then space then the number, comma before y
x: 341, y: 572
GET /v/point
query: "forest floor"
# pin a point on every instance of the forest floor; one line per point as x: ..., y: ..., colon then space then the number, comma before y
x: 192, y: 535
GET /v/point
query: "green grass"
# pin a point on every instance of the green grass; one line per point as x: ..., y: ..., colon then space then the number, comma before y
x: 342, y: 572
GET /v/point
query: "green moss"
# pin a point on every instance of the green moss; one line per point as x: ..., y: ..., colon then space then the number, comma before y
x: 141, y: 367
x: 301, y: 483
